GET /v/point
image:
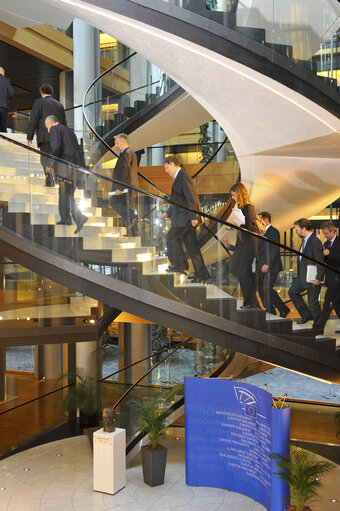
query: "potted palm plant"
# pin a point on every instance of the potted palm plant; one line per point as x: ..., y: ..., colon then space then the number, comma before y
x: 152, y: 421
x: 301, y: 469
x: 82, y: 395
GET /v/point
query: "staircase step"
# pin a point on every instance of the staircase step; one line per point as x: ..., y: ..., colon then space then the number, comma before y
x: 105, y: 243
x: 324, y: 344
x: 52, y: 219
x: 279, y: 326
x: 67, y: 231
x: 45, y: 209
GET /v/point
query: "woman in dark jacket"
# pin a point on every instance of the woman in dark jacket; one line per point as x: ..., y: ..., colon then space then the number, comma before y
x: 241, y: 261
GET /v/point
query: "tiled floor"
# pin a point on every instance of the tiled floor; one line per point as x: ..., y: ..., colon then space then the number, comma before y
x: 58, y: 477
x: 64, y: 483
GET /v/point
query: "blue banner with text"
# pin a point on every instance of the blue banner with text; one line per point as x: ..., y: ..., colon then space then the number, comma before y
x: 228, y: 436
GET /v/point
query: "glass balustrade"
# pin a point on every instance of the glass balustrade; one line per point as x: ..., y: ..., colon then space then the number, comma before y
x: 299, y: 31
x: 137, y: 253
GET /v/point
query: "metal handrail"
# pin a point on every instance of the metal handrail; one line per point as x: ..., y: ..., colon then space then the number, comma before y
x: 169, y: 201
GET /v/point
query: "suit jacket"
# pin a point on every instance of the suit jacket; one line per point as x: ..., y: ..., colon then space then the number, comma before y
x: 42, y: 108
x: 64, y: 144
x: 333, y: 259
x: 313, y: 249
x: 126, y: 169
x: 268, y: 253
x: 249, y: 223
x: 6, y: 91
x: 183, y: 192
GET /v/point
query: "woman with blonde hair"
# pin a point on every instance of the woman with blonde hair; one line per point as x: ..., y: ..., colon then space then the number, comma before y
x: 241, y: 261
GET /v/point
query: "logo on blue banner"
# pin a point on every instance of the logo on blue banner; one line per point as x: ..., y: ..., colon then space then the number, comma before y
x: 228, y: 429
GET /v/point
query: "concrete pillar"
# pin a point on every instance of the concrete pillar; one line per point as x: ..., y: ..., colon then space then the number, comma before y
x: 39, y: 362
x: 52, y: 361
x: 86, y: 67
x: 134, y: 344
x: 86, y: 357
x: 2, y: 373
x: 157, y: 154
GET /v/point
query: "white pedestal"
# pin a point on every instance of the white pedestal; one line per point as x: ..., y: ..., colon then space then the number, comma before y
x: 109, y: 463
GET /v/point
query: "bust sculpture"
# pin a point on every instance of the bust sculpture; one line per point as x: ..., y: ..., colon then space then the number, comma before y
x: 109, y: 420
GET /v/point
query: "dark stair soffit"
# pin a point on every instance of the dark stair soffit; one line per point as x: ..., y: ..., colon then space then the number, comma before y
x: 229, y: 43
x: 171, y: 313
x: 106, y: 319
x: 48, y: 335
x: 145, y: 114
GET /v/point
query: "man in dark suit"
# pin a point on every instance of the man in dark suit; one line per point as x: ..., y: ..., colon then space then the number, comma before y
x: 332, y: 280
x: 270, y: 265
x: 64, y: 145
x: 183, y: 222
x: 312, y: 247
x: 42, y: 108
x: 122, y: 200
x: 6, y: 93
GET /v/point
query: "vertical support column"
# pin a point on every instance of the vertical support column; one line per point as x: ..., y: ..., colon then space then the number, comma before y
x: 134, y: 343
x: 2, y: 373
x: 39, y: 362
x: 86, y: 357
x: 86, y: 66
x: 52, y: 361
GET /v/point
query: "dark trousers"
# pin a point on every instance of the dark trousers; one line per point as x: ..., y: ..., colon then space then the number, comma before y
x: 3, y: 119
x: 174, y: 242
x: 240, y: 265
x: 47, y: 163
x: 313, y: 310
x: 332, y: 301
x: 270, y: 299
x: 122, y: 204
x: 67, y: 203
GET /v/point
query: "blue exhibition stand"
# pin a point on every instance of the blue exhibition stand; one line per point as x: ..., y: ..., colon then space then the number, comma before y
x: 230, y: 428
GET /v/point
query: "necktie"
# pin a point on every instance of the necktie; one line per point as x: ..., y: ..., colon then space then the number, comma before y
x: 302, y: 248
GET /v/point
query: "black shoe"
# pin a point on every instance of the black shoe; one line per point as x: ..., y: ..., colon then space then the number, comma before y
x: 80, y: 225
x: 302, y: 321
x: 66, y: 222
x: 170, y: 268
x: 285, y: 313
x: 204, y: 278
x: 337, y: 332
x: 243, y: 307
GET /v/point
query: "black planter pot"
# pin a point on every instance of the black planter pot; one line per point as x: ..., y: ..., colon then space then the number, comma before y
x: 153, y: 462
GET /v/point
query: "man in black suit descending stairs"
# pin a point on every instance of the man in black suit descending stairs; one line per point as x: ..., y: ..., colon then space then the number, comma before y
x: 183, y: 222
x: 332, y: 280
x: 270, y: 265
x: 64, y: 145
x: 312, y: 247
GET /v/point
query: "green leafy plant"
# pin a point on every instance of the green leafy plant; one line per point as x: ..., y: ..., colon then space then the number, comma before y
x: 301, y: 469
x: 82, y: 394
x: 152, y: 420
x: 206, y: 148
